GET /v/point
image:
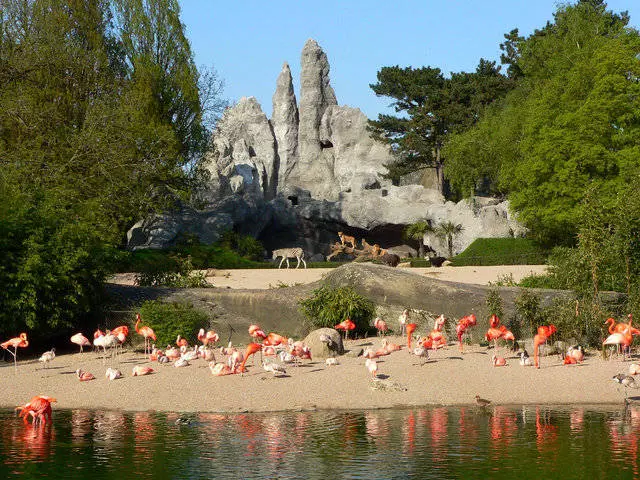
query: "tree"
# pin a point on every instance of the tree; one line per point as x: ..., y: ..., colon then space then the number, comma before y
x: 447, y: 231
x: 417, y: 231
x: 431, y: 107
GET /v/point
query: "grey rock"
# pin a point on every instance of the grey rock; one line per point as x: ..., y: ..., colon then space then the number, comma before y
x: 403, y: 251
x: 320, y: 349
x: 318, y: 257
x: 285, y: 122
x: 390, y: 259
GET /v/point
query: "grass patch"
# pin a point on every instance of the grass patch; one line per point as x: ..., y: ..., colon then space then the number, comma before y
x: 501, y: 251
x: 419, y: 262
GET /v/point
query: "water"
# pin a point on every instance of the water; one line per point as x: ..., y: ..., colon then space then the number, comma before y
x: 447, y: 442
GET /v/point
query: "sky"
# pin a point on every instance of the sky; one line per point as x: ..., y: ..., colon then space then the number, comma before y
x: 247, y: 41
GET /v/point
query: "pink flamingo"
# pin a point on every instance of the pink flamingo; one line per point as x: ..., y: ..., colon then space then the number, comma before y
x: 381, y: 326
x: 16, y: 342
x: 80, y: 340
x: 146, y: 332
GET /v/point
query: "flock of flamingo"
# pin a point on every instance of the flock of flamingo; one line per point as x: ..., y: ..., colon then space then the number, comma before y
x: 273, y: 345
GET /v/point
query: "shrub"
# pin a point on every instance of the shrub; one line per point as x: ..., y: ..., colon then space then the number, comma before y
x: 329, y: 306
x: 244, y: 245
x: 528, y: 315
x: 501, y: 251
x: 176, y: 271
x: 169, y: 320
x: 494, y: 303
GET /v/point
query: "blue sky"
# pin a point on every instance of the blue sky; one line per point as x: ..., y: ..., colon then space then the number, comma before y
x: 247, y: 41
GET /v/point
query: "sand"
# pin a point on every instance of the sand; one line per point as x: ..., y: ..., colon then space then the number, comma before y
x: 260, y: 279
x: 449, y: 378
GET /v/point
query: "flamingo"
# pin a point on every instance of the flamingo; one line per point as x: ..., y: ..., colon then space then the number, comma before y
x: 463, y: 325
x: 121, y: 333
x: 96, y: 334
x: 402, y: 320
x: 421, y: 352
x: 39, y: 408
x: 498, y: 361
x: 182, y: 344
x: 256, y: 333
x: 80, y: 340
x: 381, y: 326
x: 273, y: 340
x: 234, y: 360
x: 544, y: 332
x: 220, y: 369
x: 576, y: 352
x: 146, y: 332
x: 346, y: 325
x: 437, y: 338
x: 113, y: 374
x: 181, y: 362
x: 410, y: 327
x: 372, y: 366
x: 106, y: 341
x: 191, y: 355
x: 84, y: 376
x: 47, y: 357
x: 252, y: 348
x: 140, y: 370
x: 621, y: 340
x: 390, y: 346
x: 17, y: 342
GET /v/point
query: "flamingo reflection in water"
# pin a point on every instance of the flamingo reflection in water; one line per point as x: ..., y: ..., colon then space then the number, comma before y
x: 624, y: 434
x: 546, y: 436
x: 32, y: 443
x: 503, y: 428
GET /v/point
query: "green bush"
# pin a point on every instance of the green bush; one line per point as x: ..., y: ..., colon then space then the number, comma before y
x: 329, y: 306
x: 168, y: 320
x: 244, y: 245
x: 587, y: 327
x: 420, y: 262
x: 501, y: 251
x: 529, y: 314
x: 176, y: 272
x: 494, y: 303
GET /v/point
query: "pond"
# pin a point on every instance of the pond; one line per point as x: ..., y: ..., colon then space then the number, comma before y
x: 446, y: 442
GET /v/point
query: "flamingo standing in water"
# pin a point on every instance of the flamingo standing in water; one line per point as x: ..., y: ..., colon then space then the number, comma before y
x: 544, y: 332
x: 146, y: 332
x: 16, y: 342
x: 39, y: 408
x: 80, y: 340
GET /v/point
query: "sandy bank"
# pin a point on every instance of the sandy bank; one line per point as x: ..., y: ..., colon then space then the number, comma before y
x: 448, y: 379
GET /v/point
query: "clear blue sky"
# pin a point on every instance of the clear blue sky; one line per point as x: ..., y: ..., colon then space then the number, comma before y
x: 247, y: 41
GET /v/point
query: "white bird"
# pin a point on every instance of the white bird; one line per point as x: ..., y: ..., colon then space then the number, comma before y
x: 191, y: 355
x: 525, y: 360
x: 372, y: 366
x: 113, y: 373
x: 627, y: 381
x: 331, y: 361
x: 275, y: 368
x: 163, y: 359
x: 421, y: 352
x: 634, y: 369
x: 286, y: 357
x: 48, y: 357
x: 105, y: 341
x: 181, y: 362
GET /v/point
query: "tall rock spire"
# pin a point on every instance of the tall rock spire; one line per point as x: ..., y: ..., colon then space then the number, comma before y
x: 285, y: 124
x: 316, y: 95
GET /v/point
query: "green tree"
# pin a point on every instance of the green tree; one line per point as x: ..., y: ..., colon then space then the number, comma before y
x: 416, y: 231
x: 447, y: 231
x: 431, y: 107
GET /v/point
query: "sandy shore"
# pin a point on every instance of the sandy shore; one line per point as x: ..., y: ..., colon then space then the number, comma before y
x: 449, y: 378
x: 261, y: 279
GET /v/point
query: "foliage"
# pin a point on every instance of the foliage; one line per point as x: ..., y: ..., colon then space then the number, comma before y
x: 447, y: 231
x: 416, y: 231
x: 586, y: 327
x: 431, y: 107
x: 168, y: 320
x: 529, y: 313
x: 95, y: 132
x: 419, y: 262
x: 571, y: 125
x: 177, y: 273
x: 245, y: 245
x: 494, y: 303
x: 329, y: 306
x: 501, y: 251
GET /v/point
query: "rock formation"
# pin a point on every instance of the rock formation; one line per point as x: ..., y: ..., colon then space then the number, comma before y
x: 308, y: 172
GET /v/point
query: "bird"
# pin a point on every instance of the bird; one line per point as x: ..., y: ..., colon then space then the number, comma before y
x: 331, y: 361
x: 634, y: 369
x: 410, y: 328
x: 525, y: 359
x: 84, y: 376
x: 39, y: 408
x: 287, y: 357
x: 346, y: 326
x: 544, y: 332
x: 576, y: 352
x: 163, y: 359
x: 274, y: 339
x: 47, y: 357
x: 275, y: 368
x: 182, y: 343
x: 627, y: 381
x: 220, y: 369
x: 482, y: 402
x: 462, y: 326
x: 191, y: 355
x: 381, y: 326
x: 421, y: 352
x: 621, y: 339
x: 80, y: 340
x: 140, y: 370
x: 498, y: 361
x: 372, y: 366
x: 105, y: 341
x: 146, y: 332
x: 17, y: 342
x: 256, y: 332
x: 252, y: 348
x: 113, y: 373
x: 181, y: 362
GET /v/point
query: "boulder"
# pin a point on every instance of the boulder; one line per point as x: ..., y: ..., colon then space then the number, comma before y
x: 403, y: 251
x: 390, y: 259
x: 322, y: 349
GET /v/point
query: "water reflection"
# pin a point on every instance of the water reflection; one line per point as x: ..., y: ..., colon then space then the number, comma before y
x: 428, y: 443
